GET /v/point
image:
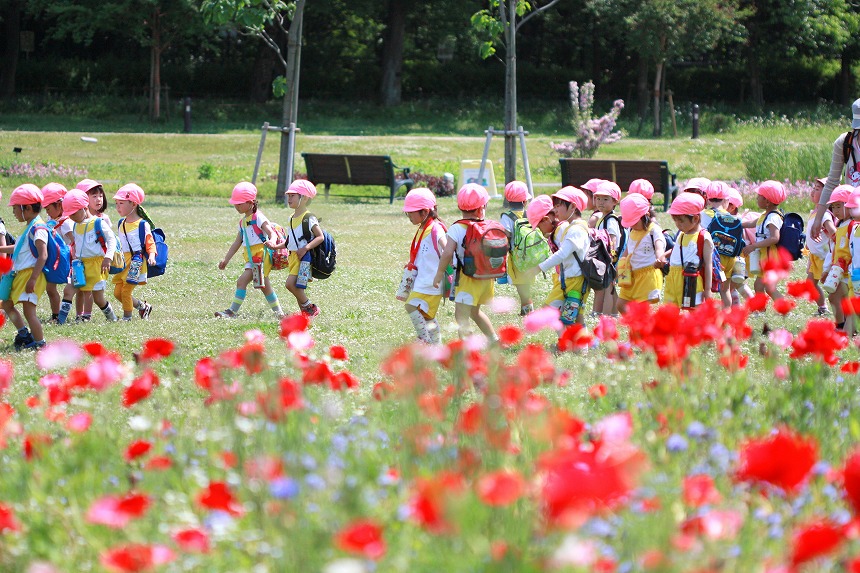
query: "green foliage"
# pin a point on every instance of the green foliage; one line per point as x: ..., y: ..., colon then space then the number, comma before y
x: 778, y: 159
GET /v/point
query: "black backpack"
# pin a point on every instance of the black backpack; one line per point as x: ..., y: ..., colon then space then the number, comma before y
x: 791, y: 235
x: 598, y: 270
x: 10, y: 238
x: 324, y: 255
x: 622, y: 240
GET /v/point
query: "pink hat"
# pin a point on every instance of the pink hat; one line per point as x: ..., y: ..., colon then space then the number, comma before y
x: 853, y: 201
x: 243, y: 192
x: 609, y: 188
x: 700, y: 183
x: 841, y: 193
x: 303, y: 187
x: 572, y: 195
x: 538, y: 209
x: 26, y: 194
x: 642, y: 187
x: 734, y: 197
x: 74, y: 201
x: 472, y: 196
x: 717, y: 190
x: 418, y: 199
x: 633, y: 208
x: 51, y: 193
x: 130, y: 192
x: 517, y: 192
x: 591, y: 184
x: 87, y: 184
x: 773, y: 191
x: 687, y: 204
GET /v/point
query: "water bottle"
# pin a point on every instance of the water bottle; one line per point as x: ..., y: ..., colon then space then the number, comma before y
x: 834, y: 277
x: 134, y: 268
x: 304, y: 271
x: 689, y: 291
x: 855, y: 280
x: 502, y: 280
x: 570, y: 308
x: 739, y: 274
x: 755, y: 261
x: 79, y: 277
x: 257, y: 271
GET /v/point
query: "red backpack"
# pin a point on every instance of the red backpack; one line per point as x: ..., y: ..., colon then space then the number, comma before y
x: 485, y: 249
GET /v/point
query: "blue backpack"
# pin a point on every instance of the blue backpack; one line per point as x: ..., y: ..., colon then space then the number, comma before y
x: 791, y: 235
x: 728, y: 234
x: 58, y: 264
x: 161, y: 250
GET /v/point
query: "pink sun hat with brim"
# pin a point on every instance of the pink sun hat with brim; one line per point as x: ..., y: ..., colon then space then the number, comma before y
x: 472, y: 196
x: 26, y: 194
x: 700, y: 183
x: 734, y: 197
x: 573, y: 195
x: 517, y: 192
x: 841, y: 194
x: 687, y: 204
x: 53, y: 192
x: 243, y: 192
x: 641, y: 187
x: 419, y: 199
x: 87, y: 184
x: 74, y: 201
x: 773, y: 191
x: 538, y: 209
x: 717, y: 190
x: 592, y: 184
x: 303, y: 187
x: 633, y: 208
x: 130, y: 192
x: 854, y: 200
x: 609, y: 188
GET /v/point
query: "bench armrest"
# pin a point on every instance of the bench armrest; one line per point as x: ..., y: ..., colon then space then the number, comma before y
x: 404, y: 170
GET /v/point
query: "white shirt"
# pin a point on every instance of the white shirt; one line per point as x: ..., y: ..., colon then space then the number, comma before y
x: 762, y: 230
x: 688, y: 245
x: 571, y: 238
x: 129, y: 236
x: 251, y: 237
x: 427, y: 259
x: 611, y: 226
x: 822, y: 247
x: 295, y: 236
x: 86, y: 240
x: 456, y: 233
x: 25, y: 258
x: 642, y: 253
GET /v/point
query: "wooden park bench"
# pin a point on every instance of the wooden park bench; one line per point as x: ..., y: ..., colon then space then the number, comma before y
x: 622, y: 171
x: 329, y: 169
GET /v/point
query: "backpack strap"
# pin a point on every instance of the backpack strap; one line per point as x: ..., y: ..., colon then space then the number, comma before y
x: 306, y: 227
x: 847, y: 146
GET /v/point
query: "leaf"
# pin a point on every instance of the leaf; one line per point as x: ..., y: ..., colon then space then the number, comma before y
x: 279, y: 86
x: 854, y: 426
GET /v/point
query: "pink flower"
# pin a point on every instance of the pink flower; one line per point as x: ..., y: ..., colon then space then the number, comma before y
x: 504, y: 305
x: 781, y: 337
x: 79, y: 422
x: 546, y: 317
x: 59, y: 354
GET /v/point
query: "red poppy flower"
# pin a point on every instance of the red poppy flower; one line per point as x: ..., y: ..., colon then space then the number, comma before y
x: 574, y: 337
x: 7, y: 519
x: 158, y: 463
x: 851, y: 305
x: 784, y: 305
x: 294, y: 323
x: 815, y: 540
x: 819, y: 339
x: 337, y: 352
x: 362, y: 537
x: 94, y: 349
x: 134, y: 557
x: 253, y: 357
x: 192, y: 540
x: 757, y: 302
x: 699, y: 490
x: 285, y: 397
x: 117, y: 512
x: 850, y: 367
x: 803, y: 289
x: 218, y: 496
x: 500, y: 488
x: 783, y: 460
x: 140, y: 388
x: 344, y: 380
x: 5, y: 265
x: 509, y: 335
x: 851, y: 480
x: 597, y: 391
x: 427, y: 506
x: 317, y: 372
x: 156, y: 349
x: 35, y: 445
x: 137, y: 449
x: 606, y: 328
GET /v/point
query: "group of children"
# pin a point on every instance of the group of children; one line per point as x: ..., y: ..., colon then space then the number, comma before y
x: 648, y: 264
x: 77, y: 222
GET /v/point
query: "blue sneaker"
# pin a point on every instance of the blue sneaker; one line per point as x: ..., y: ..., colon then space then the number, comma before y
x: 22, y: 340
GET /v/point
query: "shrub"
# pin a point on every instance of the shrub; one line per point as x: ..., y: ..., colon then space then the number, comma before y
x: 778, y: 159
x: 440, y: 186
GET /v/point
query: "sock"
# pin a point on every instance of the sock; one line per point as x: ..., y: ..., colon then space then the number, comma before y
x: 434, y: 333
x: 238, y: 299
x: 275, y: 305
x: 420, y: 324
x: 137, y: 304
x: 822, y: 309
x: 526, y: 308
x: 108, y: 312
x: 65, y: 309
x: 55, y: 316
x: 305, y: 305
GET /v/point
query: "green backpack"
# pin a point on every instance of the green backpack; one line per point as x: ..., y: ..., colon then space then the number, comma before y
x: 528, y: 246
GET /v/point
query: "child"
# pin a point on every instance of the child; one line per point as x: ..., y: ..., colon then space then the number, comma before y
x: 299, y: 195
x: 639, y: 274
x: 606, y: 197
x: 852, y: 208
x: 818, y: 250
x: 97, y: 207
x: 643, y: 187
x: 839, y: 252
x: 738, y: 286
x: 254, y: 231
x: 27, y: 279
x: 517, y: 195
x: 129, y: 200
x: 769, y: 195
x: 423, y: 300
x: 470, y: 292
x: 52, y: 203
x: 717, y: 194
x: 561, y: 222
x: 88, y: 250
x: 589, y: 187
x: 697, y: 185
x: 686, y: 212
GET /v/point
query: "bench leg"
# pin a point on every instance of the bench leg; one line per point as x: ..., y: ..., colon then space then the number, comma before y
x: 327, y: 185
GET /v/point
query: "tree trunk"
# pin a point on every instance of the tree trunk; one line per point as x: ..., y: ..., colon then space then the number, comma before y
x: 642, y: 88
x: 263, y: 72
x: 846, y: 77
x: 155, y: 68
x: 756, y: 88
x: 291, y: 99
x: 11, y: 17
x: 658, y: 98
x: 392, y: 52
x: 510, y: 90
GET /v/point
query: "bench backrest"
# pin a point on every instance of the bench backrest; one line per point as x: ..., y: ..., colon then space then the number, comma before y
x: 622, y: 171
x: 349, y: 169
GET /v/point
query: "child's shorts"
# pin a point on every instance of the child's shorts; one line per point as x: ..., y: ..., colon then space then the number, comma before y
x: 556, y: 297
x: 474, y: 292
x: 646, y: 287
x: 675, y: 286
x: 426, y: 303
x: 19, y: 285
x: 815, y: 267
x: 93, y: 272
x: 728, y: 264
x: 516, y: 277
x: 260, y: 250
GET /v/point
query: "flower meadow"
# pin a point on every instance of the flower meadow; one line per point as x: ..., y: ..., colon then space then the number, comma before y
x: 706, y: 445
